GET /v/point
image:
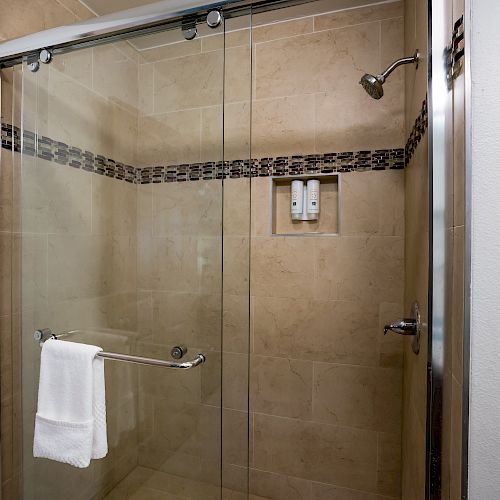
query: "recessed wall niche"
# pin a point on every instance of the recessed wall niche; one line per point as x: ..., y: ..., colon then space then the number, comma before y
x: 328, y: 223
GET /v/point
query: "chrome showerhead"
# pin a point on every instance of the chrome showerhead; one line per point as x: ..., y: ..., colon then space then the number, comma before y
x: 374, y: 84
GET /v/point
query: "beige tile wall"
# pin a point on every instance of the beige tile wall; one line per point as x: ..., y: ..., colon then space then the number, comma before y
x: 179, y: 269
x: 72, y: 248
x: 306, y: 292
x: 305, y: 93
x: 317, y: 315
x: 416, y: 261
x: 28, y: 17
x: 326, y: 385
x: 181, y: 256
x: 77, y: 245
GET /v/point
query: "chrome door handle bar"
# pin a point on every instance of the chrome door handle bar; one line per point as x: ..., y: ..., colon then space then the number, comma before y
x: 44, y: 334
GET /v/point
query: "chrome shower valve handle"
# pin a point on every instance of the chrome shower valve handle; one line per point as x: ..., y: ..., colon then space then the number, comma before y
x: 408, y: 326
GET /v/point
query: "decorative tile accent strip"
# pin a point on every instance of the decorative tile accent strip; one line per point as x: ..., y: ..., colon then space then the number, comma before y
x: 59, y: 152
x: 417, y: 132
x: 347, y: 161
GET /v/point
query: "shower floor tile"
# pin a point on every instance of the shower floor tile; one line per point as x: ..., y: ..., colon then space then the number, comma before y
x: 147, y: 484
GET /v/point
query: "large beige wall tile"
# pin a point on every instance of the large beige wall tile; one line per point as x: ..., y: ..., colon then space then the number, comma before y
x: 189, y: 428
x: 284, y: 67
x: 360, y: 269
x: 114, y: 311
x: 373, y: 203
x: 74, y: 114
x: 231, y: 142
x: 235, y: 379
x: 212, y: 134
x: 161, y: 48
x: 282, y: 267
x: 187, y: 209
x: 54, y: 198
x: 320, y: 452
x: 392, y: 48
x: 284, y: 29
x: 76, y: 65
x: 260, y: 206
x: 237, y: 133
x: 236, y: 34
x: 389, y: 462
x: 283, y: 126
x: 234, y: 437
x: 341, y: 332
x: 236, y: 265
x: 281, y: 387
x: 360, y: 15
x: 357, y: 396
x: 171, y: 138
x: 145, y: 84
x: 144, y: 211
x: 236, y: 323
x: 32, y: 250
x: 186, y: 318
x: 114, y: 206
x: 189, y: 82
x: 114, y: 74
x: 237, y: 74
x: 236, y: 214
x: 120, y: 134
x: 347, y: 119
x: 82, y: 266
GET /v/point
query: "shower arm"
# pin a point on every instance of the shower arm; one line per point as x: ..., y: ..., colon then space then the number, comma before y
x: 404, y: 60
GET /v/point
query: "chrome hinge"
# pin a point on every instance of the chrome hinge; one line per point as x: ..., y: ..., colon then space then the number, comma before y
x: 455, y: 51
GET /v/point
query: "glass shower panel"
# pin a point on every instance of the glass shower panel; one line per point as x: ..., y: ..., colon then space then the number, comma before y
x: 121, y: 243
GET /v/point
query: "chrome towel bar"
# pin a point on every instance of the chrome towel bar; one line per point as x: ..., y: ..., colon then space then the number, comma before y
x: 45, y: 333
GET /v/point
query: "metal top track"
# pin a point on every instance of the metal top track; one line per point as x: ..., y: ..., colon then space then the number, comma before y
x: 155, y: 14
x: 147, y: 18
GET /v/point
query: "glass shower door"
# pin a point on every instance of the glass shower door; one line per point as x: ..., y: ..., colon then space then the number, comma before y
x: 120, y: 213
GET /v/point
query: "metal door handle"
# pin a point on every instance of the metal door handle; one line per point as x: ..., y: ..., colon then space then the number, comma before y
x: 408, y: 326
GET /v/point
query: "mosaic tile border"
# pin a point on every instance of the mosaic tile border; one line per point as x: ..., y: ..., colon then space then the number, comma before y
x: 64, y: 154
x: 346, y: 161
x: 349, y: 161
x: 417, y: 132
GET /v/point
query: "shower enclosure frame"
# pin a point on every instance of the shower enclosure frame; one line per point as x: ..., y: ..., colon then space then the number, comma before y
x: 154, y: 17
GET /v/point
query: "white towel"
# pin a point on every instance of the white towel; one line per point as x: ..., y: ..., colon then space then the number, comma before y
x: 70, y: 424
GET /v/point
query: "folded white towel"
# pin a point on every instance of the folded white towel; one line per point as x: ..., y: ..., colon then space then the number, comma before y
x: 70, y: 424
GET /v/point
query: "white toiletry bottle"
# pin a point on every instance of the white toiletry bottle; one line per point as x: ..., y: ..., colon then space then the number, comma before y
x: 304, y: 204
x: 313, y: 199
x: 297, y: 199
